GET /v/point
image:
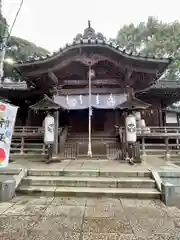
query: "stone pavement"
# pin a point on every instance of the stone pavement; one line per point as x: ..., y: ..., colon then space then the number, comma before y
x: 150, y: 162
x: 41, y: 218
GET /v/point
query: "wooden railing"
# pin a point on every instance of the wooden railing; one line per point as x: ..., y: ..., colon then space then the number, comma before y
x: 168, y: 137
x: 29, y: 131
x: 62, y: 139
x: 20, y: 146
x: 29, y: 140
x: 156, y: 131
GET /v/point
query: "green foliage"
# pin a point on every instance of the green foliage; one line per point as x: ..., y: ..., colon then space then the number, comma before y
x: 24, y: 49
x: 3, y: 24
x: 19, y: 50
x: 154, y: 38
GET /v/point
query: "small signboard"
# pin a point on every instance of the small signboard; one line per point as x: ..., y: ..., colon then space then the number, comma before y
x: 171, y: 118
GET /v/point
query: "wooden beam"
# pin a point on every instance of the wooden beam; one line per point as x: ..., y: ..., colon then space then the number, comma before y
x: 94, y: 91
x: 110, y: 81
x: 83, y: 59
x: 127, y: 76
x: 53, y: 77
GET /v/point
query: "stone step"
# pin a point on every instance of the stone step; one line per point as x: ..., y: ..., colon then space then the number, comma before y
x: 10, y: 171
x: 94, y: 157
x: 92, y: 138
x: 93, y: 182
x: 140, y: 193
x: 92, y: 135
x: 94, y: 141
x: 89, y: 173
x: 32, y: 156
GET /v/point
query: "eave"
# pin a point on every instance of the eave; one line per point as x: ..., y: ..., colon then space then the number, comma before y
x: 102, y: 46
x: 133, y: 104
x: 172, y: 109
x: 45, y: 104
x: 167, y: 91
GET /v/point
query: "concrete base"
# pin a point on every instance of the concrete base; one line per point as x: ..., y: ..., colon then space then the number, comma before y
x: 170, y: 194
x: 7, y: 188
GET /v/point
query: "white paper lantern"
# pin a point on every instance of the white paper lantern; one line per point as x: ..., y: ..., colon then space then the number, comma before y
x: 130, y: 123
x: 142, y: 123
x: 137, y: 115
x: 49, y: 129
x: 138, y: 123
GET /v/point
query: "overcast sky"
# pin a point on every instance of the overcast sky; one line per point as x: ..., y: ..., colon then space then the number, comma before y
x: 53, y: 23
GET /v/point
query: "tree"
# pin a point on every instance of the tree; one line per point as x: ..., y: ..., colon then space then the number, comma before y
x: 153, y: 38
x: 18, y: 49
x: 21, y: 50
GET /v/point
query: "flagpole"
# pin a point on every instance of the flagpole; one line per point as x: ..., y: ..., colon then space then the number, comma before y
x: 90, y: 113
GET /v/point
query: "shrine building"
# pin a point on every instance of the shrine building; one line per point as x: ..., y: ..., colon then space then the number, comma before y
x: 91, y: 67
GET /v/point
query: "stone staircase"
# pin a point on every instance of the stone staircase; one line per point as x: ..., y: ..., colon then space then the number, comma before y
x: 103, y: 146
x: 90, y: 183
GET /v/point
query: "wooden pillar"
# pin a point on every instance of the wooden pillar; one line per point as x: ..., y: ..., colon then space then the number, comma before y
x: 116, y: 117
x: 22, y: 145
x: 160, y: 118
x: 125, y: 136
x: 56, y: 133
x: 28, y: 118
x: 167, y: 154
x: 143, y: 146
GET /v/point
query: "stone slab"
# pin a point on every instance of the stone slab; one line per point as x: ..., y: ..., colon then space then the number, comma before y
x: 58, y: 228
x: 16, y: 227
x: 89, y: 218
x: 26, y: 210
x: 67, y: 211
x: 70, y: 201
x: 106, y: 225
x: 5, y: 206
x: 103, y: 201
x: 108, y: 236
x: 104, y: 212
x: 148, y: 227
x: 30, y: 200
x: 142, y: 203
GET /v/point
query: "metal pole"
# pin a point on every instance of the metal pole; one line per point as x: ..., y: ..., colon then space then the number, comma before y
x: 90, y: 114
x: 56, y: 133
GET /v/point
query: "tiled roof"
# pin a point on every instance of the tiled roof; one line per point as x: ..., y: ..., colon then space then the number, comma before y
x: 45, y: 104
x: 91, y: 38
x: 166, y: 84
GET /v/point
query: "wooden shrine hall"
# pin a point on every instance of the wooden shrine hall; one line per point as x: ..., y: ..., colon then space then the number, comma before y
x: 90, y: 76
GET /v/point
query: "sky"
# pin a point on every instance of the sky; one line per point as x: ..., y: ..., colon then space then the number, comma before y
x: 53, y: 23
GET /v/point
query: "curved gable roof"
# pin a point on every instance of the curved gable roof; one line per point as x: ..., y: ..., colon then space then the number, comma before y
x: 95, y: 41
